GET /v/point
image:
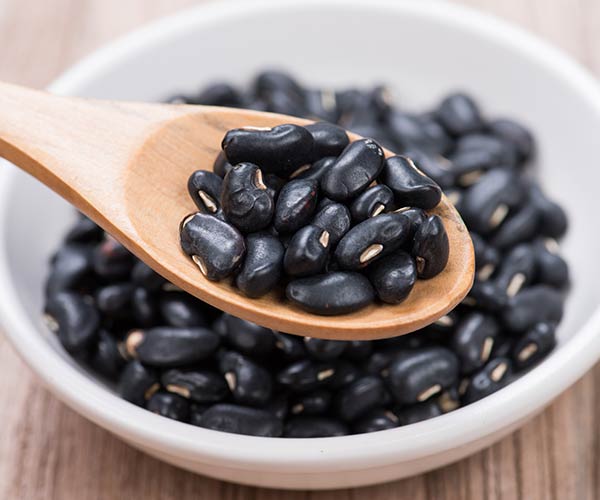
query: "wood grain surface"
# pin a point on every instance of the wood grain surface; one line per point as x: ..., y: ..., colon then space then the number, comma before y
x: 49, y: 452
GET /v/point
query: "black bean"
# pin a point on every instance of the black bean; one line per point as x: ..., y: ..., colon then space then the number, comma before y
x: 144, y: 307
x: 269, y: 81
x: 291, y: 346
x: 285, y: 103
x: 487, y: 257
x: 503, y: 346
x: 553, y: 219
x: 143, y: 275
x: 534, y: 345
x: 539, y: 303
x: 372, y: 202
x: 84, y: 231
x: 372, y: 239
x: 323, y: 349
x: 520, y: 227
x: 313, y: 403
x: 112, y: 261
x: 71, y: 269
x: 306, y: 375
x: 215, y: 246
x: 410, y: 131
x: 551, y: 268
x: 517, y: 270
x: 515, y: 134
x: 106, y: 358
x: 248, y: 337
x: 169, y: 405
x: 241, y: 420
x: 261, y: 269
x: 487, y: 296
x: 376, y: 420
x: 335, y: 219
x: 321, y: 104
x: 491, y: 378
x: 481, y: 152
x: 316, y: 171
x: 330, y: 139
x: 279, y: 150
x: 196, y: 412
x: 440, y: 141
x: 296, y: 204
x: 274, y: 184
x: 219, y: 94
x: 393, y: 277
x: 279, y: 405
x: 221, y: 166
x: 114, y: 299
x: 449, y: 400
x: 205, y: 189
x: 356, y: 399
x: 167, y: 347
x: 431, y: 248
x: 356, y: 167
x: 181, y: 310
x: 438, y: 168
x: 249, y: 383
x: 311, y: 427
x: 415, y: 376
x: 137, y: 383
x: 245, y: 199
x: 307, y: 252
x: 473, y: 340
x: 344, y: 373
x: 201, y: 386
x: 411, y: 187
x: 418, y: 412
x: 358, y: 350
x: 459, y: 114
x: 74, y: 319
x: 331, y: 294
x: 416, y: 216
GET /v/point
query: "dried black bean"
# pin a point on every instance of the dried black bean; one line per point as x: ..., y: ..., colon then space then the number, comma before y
x: 167, y: 347
x: 356, y: 167
x: 540, y: 303
x: 344, y: 373
x: 248, y: 337
x: 312, y: 427
x: 114, y: 299
x: 112, y: 261
x: 181, y: 310
x: 279, y: 150
x: 291, y: 346
x: 84, y: 231
x: 71, y: 269
x: 393, y: 277
x: 356, y: 399
x: 137, y: 383
x: 219, y: 94
x: 169, y: 405
x: 245, y: 199
x: 241, y: 420
x: 415, y: 376
x: 551, y: 268
x: 473, y: 340
x: 372, y: 202
x: 143, y: 275
x: 74, y: 319
x: 313, y: 403
x: 316, y: 171
x: 321, y: 104
x: 215, y: 246
x: 416, y: 132
x: 221, y: 166
x: 106, y: 358
x: 376, y: 420
x: 306, y: 375
x: 491, y: 378
x: 200, y: 386
x: 438, y: 168
x: 517, y: 269
x: 358, y: 350
x: 515, y: 134
x: 205, y: 189
x: 323, y: 349
x: 296, y: 204
x: 330, y: 139
x: 487, y: 296
x: 534, y: 345
x: 262, y: 266
x: 520, y: 227
x: 459, y: 114
x: 335, y: 219
x: 249, y: 383
x: 416, y: 216
x: 411, y: 187
x: 431, y: 248
x: 196, y: 412
x: 417, y: 412
x: 307, y: 252
x: 553, y: 219
x: 487, y: 257
x: 269, y: 81
x: 144, y: 307
x: 331, y: 294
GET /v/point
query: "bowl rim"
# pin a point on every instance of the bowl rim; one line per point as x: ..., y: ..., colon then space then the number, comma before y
x: 477, y: 421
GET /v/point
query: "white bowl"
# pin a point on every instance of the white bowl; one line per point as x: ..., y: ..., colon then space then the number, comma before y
x: 422, y: 50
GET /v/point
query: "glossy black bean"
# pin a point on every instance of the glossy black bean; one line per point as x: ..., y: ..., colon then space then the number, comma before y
x: 323, y: 349
x: 372, y: 202
x: 292, y: 346
x: 71, y: 269
x: 393, y: 277
x: 459, y: 114
x: 417, y: 412
x: 503, y: 346
x: 201, y: 386
x: 248, y: 337
x: 261, y: 269
x: 358, y: 350
x: 322, y: 105
x: 114, y: 299
x: 296, y: 204
x: 144, y: 307
x: 487, y: 296
x: 539, y: 303
x: 73, y: 319
x: 84, y: 231
x: 473, y: 340
x: 345, y: 373
x: 486, y: 204
x: 167, y: 347
x: 335, y: 219
x: 410, y: 131
x: 498, y: 150
x: 317, y: 170
x: 219, y: 94
x: 137, y: 383
x: 274, y: 185
x: 205, y: 189
x: 376, y: 420
x: 241, y: 420
x: 411, y: 187
x: 415, y: 376
x: 306, y: 375
x: 169, y: 405
x: 329, y: 139
x: 285, y: 103
x: 279, y: 405
x: 269, y: 81
x: 249, y: 383
x: 215, y: 246
x: 196, y: 412
x: 181, y: 310
x: 440, y: 141
x: 144, y: 276
x: 312, y: 427
x: 279, y: 150
x: 372, y: 239
x: 487, y: 257
x: 515, y: 134
x: 520, y: 227
x: 221, y: 166
x: 438, y: 168
x: 106, y: 358
x: 553, y: 219
x: 534, y: 345
x: 245, y: 199
x: 358, y: 398
x: 313, y: 403
x: 331, y: 294
x: 112, y: 261
x: 307, y: 252
x: 492, y: 377
x: 517, y: 270
x: 442, y: 328
x: 449, y: 400
x: 356, y: 167
x: 551, y: 267
x: 430, y: 248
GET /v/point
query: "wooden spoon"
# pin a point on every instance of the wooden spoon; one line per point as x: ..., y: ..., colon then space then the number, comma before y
x: 125, y: 165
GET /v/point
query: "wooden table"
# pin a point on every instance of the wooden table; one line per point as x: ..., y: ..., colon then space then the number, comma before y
x: 48, y: 451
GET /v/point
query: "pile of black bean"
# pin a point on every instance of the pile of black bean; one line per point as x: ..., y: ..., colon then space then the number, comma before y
x: 178, y: 357
x: 335, y: 223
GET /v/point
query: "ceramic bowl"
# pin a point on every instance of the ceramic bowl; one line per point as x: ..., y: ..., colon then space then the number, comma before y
x: 422, y: 50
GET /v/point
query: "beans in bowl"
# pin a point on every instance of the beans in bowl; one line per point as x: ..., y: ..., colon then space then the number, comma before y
x: 180, y: 358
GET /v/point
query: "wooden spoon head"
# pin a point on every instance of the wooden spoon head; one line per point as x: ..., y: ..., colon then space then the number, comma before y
x: 157, y: 200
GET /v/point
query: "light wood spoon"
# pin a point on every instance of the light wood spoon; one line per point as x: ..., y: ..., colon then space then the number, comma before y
x: 125, y: 165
